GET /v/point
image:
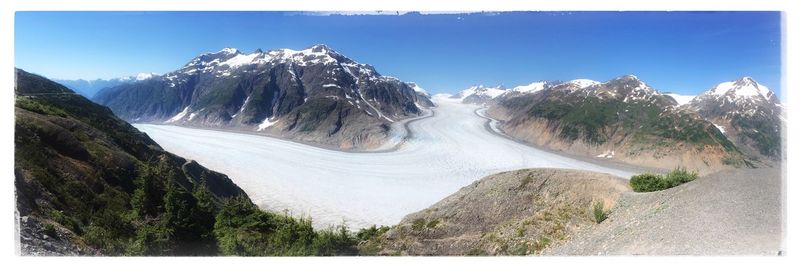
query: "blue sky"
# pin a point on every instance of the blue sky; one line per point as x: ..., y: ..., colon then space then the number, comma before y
x: 683, y: 52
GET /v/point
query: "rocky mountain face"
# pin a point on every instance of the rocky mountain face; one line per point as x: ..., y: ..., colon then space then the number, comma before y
x: 89, y: 183
x: 624, y: 119
x: 748, y: 113
x: 313, y: 95
x: 88, y: 88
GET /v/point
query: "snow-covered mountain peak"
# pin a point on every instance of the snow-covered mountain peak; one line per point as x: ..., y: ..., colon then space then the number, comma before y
x: 582, y: 83
x: 320, y: 48
x: 144, y: 76
x: 229, y: 50
x: 230, y: 58
x: 531, y: 88
x: 482, y: 90
x: 744, y: 87
x: 417, y: 88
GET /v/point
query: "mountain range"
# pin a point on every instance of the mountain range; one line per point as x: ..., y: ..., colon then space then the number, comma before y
x: 88, y: 88
x: 315, y: 95
x: 734, y: 123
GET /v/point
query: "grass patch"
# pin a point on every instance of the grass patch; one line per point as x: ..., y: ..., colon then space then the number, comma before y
x: 37, y: 107
x: 652, y: 182
x: 599, y: 213
x: 433, y: 223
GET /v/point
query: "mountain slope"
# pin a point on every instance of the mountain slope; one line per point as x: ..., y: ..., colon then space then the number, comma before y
x: 747, y: 112
x: 88, y: 183
x: 622, y: 119
x: 510, y: 213
x: 315, y: 95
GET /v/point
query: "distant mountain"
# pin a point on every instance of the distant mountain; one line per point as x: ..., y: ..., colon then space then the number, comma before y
x: 747, y: 112
x: 313, y: 95
x: 479, y: 94
x: 624, y: 119
x: 88, y: 88
x: 487, y: 95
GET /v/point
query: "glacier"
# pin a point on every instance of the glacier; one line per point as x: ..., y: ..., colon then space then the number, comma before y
x: 446, y: 151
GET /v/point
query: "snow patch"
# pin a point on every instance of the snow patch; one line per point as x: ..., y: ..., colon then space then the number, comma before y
x: 607, y: 154
x: 179, y: 116
x: 267, y: 123
x: 721, y: 128
x: 240, y: 60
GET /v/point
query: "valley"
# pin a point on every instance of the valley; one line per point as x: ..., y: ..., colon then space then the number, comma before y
x: 447, y: 151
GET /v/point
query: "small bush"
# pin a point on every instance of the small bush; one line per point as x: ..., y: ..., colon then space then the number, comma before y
x: 648, y: 182
x: 600, y: 214
x: 371, y: 232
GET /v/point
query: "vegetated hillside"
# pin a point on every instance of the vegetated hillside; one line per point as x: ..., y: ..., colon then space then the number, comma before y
x: 748, y: 113
x: 314, y: 95
x: 511, y: 213
x: 88, y: 183
x: 622, y: 119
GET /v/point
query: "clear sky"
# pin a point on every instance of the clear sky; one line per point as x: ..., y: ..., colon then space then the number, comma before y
x: 683, y: 52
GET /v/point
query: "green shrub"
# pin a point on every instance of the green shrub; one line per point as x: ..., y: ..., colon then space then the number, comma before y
x: 600, y: 214
x: 418, y: 224
x: 371, y: 232
x: 648, y: 182
x: 242, y: 229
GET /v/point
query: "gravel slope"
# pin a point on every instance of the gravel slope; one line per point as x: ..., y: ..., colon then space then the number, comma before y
x: 447, y: 151
x: 735, y: 212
